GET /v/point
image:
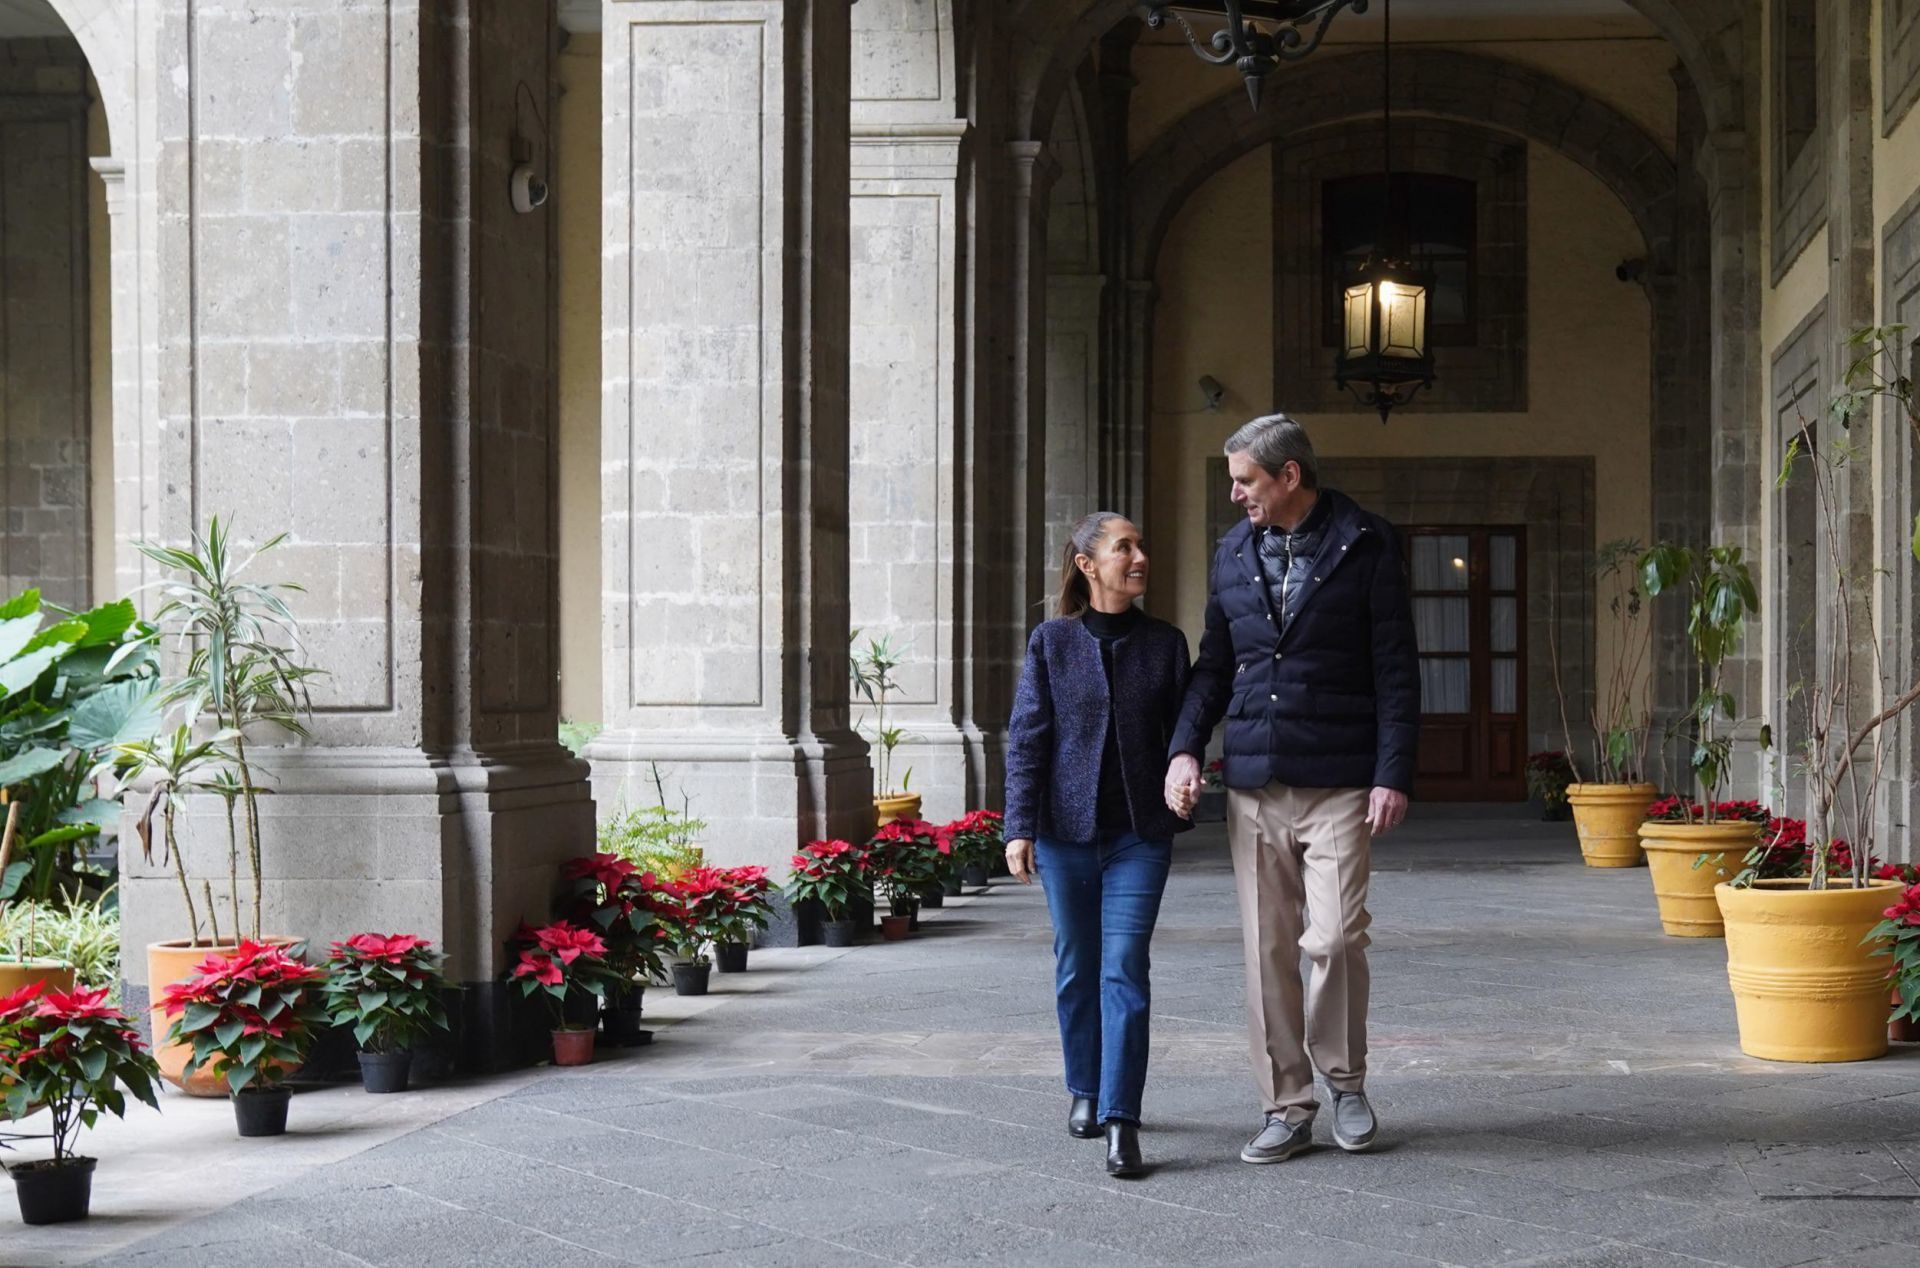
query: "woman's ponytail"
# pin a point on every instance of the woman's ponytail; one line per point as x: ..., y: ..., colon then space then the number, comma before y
x: 1075, y: 595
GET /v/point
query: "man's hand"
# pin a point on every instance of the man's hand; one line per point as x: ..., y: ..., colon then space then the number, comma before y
x: 1183, y: 784
x: 1385, y: 809
x: 1020, y: 861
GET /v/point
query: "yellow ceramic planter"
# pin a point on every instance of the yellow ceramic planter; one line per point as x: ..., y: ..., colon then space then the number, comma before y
x: 1608, y: 818
x: 18, y: 974
x: 1805, y: 987
x: 1684, y: 890
x: 906, y: 806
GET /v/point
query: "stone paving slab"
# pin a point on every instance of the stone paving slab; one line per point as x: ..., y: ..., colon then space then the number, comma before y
x: 1559, y: 1085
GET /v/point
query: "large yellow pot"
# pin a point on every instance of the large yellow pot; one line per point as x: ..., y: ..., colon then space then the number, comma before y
x: 1686, y: 861
x: 1608, y: 817
x: 906, y: 806
x: 1805, y: 987
x: 175, y: 961
x: 57, y: 975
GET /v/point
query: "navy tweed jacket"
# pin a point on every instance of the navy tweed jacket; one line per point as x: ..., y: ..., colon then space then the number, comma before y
x: 1059, y: 729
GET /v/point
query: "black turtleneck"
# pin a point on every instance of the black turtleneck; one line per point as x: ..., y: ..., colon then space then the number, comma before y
x: 1115, y: 815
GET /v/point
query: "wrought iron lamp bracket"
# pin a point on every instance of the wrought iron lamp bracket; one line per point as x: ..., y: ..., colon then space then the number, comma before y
x: 1293, y: 30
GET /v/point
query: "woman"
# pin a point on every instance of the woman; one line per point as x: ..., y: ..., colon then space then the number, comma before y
x: 1086, y: 748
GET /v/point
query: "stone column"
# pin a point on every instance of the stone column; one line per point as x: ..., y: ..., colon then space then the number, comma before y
x: 904, y: 416
x: 724, y: 443
x: 1074, y: 451
x: 356, y: 349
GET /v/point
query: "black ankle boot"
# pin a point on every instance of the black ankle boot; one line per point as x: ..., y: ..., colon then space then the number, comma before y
x: 1123, y: 1149
x: 1081, y: 1121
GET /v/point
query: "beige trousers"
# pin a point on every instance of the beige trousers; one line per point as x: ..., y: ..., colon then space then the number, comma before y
x: 1300, y: 864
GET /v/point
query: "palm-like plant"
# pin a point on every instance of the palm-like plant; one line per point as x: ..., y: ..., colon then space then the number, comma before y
x: 872, y: 671
x: 175, y: 763
x: 238, y: 668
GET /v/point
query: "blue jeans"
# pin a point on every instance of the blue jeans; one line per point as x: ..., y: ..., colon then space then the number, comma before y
x: 1104, y: 897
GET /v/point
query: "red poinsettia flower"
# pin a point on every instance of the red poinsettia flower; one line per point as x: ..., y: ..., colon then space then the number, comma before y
x: 540, y: 966
x: 569, y: 943
x: 22, y: 1002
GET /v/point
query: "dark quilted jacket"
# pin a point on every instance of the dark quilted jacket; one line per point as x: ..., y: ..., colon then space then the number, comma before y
x: 1059, y: 727
x: 1334, y: 702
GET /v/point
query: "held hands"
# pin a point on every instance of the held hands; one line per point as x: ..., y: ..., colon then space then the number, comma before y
x: 1386, y: 807
x: 1020, y: 861
x: 1183, y: 784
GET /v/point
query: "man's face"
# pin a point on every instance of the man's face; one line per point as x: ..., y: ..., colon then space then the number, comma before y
x: 1259, y: 492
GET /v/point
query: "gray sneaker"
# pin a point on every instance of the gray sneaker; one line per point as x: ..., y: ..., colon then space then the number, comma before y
x: 1353, y: 1122
x: 1278, y: 1141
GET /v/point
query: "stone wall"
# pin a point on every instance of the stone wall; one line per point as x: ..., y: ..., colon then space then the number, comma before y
x: 46, y: 449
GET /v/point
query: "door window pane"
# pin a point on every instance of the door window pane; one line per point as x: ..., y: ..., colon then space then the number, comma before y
x: 1443, y: 686
x: 1502, y: 631
x: 1440, y: 562
x: 1503, y: 552
x: 1441, y: 625
x: 1506, y: 686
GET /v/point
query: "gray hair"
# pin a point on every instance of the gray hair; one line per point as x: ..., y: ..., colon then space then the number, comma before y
x: 1273, y: 442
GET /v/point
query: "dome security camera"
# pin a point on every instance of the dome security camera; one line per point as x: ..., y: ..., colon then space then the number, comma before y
x: 529, y: 191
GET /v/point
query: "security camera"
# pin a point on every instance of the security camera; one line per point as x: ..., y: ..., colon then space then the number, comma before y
x: 1630, y: 270
x: 1210, y: 388
x: 529, y: 191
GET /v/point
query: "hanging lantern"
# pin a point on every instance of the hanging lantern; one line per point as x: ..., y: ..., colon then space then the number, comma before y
x: 1384, y: 358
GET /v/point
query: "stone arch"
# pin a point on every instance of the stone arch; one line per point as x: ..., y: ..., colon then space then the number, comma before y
x: 1439, y: 82
x: 104, y: 31
x: 1058, y: 33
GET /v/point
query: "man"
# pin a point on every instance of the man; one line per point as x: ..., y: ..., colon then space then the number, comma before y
x: 1309, y: 652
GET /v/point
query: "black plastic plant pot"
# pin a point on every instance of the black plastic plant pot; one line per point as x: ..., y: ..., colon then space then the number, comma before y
x: 262, y: 1111
x: 840, y: 933
x: 808, y: 917
x: 53, y: 1192
x: 933, y: 896
x: 385, y: 1071
x: 730, y: 957
x: 691, y: 979
x: 974, y: 876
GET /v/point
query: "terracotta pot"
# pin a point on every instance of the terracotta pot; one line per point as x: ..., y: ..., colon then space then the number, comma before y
x: 174, y: 961
x: 1687, y: 861
x: 1902, y: 1031
x: 1807, y: 984
x: 572, y: 1047
x: 894, y: 928
x: 1607, y: 818
x: 53, y: 975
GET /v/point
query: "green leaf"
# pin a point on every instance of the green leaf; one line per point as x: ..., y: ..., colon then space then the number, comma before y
x: 198, y: 1017
x: 29, y: 763
x: 106, y: 623
x: 250, y: 1049
x: 370, y: 1000
x: 227, y: 1031
x: 119, y: 713
x: 238, y: 1077
x: 14, y: 877
x: 93, y: 1062
x: 26, y: 603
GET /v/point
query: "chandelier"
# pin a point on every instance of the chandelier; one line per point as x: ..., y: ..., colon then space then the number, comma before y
x: 1258, y: 35
x: 1384, y: 359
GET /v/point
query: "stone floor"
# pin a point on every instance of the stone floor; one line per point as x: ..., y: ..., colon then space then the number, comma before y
x: 1558, y: 1084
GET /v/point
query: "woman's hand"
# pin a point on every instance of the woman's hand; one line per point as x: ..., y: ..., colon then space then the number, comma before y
x: 1020, y: 861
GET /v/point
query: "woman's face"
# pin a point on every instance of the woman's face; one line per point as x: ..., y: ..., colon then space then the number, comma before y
x: 1117, y: 568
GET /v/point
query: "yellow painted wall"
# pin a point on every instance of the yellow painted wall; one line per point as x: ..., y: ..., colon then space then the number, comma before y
x: 99, y: 357
x: 1589, y: 365
x: 576, y: 201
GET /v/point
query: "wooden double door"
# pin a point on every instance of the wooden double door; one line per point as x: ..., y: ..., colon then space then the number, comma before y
x: 1469, y: 614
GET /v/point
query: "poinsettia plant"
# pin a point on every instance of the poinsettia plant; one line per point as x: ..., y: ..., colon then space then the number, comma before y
x: 75, y: 1054
x: 612, y: 896
x: 1899, y: 935
x: 694, y: 907
x: 743, y: 908
x: 831, y: 873
x: 1682, y: 810
x: 908, y: 856
x: 561, y: 960
x: 387, y: 987
x: 249, y: 1014
x: 975, y: 839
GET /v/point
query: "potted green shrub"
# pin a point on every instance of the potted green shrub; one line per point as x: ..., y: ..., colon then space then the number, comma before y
x: 249, y: 1018
x: 692, y: 907
x: 387, y: 987
x: 74, y: 1054
x: 1549, y: 775
x: 1898, y: 934
x: 906, y: 855
x: 1802, y: 951
x: 834, y: 875
x: 1606, y: 789
x: 1687, y: 854
x: 872, y: 669
x: 557, y: 963
x: 608, y: 894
